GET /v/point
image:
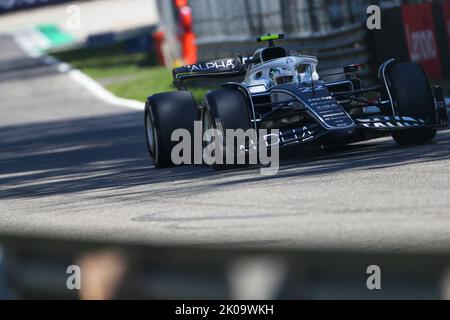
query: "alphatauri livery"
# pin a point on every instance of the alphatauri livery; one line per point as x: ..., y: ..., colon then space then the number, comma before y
x: 284, y: 91
x: 225, y: 67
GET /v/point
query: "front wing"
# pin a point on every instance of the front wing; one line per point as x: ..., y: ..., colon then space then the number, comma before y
x: 331, y: 119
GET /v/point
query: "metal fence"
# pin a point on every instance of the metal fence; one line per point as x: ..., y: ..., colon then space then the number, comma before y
x: 214, y: 18
x: 329, y: 29
x: 333, y: 30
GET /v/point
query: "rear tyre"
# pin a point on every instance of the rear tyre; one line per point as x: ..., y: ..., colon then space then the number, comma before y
x: 413, y: 97
x: 165, y: 113
x: 228, y: 107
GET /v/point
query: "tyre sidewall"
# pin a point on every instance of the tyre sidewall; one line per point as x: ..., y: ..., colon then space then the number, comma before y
x: 230, y: 108
x: 169, y: 112
x: 413, y: 97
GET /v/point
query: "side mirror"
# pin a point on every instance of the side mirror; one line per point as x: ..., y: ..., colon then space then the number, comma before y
x: 249, y: 61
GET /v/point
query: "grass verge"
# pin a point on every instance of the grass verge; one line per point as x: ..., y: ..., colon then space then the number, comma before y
x: 127, y: 75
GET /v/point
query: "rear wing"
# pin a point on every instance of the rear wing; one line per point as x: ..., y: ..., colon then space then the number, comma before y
x: 222, y: 68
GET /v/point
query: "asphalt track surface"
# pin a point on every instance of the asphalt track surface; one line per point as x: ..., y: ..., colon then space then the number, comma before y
x: 73, y: 166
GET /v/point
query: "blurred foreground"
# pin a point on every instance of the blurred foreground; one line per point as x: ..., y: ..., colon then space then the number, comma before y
x: 44, y: 269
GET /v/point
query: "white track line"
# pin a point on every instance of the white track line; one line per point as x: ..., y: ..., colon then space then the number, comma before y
x: 101, y: 92
x: 31, y: 41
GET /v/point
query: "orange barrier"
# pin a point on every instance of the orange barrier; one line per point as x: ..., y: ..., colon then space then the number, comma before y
x: 187, y: 35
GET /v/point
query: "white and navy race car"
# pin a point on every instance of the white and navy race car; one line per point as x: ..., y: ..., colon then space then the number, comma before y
x: 284, y: 91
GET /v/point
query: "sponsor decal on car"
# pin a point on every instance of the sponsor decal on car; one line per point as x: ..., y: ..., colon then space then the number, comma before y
x: 214, y: 65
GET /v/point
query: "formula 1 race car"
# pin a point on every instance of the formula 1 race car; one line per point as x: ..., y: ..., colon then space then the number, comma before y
x: 284, y: 91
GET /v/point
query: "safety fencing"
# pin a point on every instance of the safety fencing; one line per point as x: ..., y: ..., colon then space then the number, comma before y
x: 334, y: 48
x: 333, y: 30
x: 213, y: 18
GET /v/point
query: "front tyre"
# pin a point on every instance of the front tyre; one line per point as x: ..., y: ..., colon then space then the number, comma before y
x: 413, y: 137
x: 412, y: 97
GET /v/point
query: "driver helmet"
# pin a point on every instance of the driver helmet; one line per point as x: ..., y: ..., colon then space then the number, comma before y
x: 281, y: 75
